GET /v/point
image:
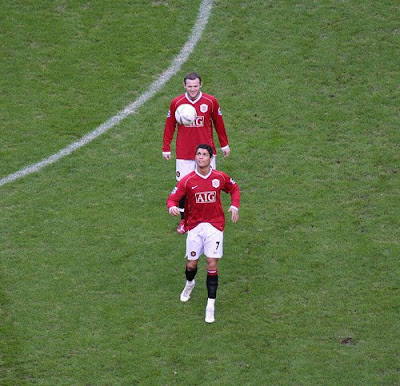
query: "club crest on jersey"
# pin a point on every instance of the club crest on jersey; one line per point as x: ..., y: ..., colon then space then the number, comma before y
x: 174, y: 190
x: 233, y: 182
x: 205, y: 197
x: 169, y: 114
x: 203, y: 108
x: 219, y: 111
x: 215, y: 183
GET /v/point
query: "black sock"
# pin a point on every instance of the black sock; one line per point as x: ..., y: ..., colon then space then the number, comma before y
x: 190, y: 274
x: 212, y: 285
x: 182, y: 206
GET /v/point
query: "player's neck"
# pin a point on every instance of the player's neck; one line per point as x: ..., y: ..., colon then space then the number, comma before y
x: 204, y: 170
x: 194, y: 98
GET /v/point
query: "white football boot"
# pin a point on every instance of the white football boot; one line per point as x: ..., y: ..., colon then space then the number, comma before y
x: 210, y: 315
x: 185, y: 295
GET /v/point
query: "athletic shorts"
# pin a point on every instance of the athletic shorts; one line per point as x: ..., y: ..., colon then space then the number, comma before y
x: 204, y: 239
x: 186, y: 166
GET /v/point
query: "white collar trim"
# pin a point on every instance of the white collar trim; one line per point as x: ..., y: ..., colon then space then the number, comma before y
x: 200, y: 175
x: 196, y: 100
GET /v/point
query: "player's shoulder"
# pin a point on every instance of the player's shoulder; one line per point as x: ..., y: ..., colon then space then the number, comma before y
x: 219, y: 174
x: 178, y: 100
x: 209, y: 98
x: 184, y: 180
x: 222, y: 176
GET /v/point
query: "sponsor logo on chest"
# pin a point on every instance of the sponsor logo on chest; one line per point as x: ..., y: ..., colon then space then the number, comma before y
x: 199, y: 122
x: 205, y: 197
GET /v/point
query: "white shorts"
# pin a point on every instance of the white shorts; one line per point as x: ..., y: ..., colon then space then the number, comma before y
x: 204, y: 239
x: 186, y: 166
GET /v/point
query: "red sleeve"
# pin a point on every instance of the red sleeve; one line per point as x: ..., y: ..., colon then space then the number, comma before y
x: 169, y: 128
x: 233, y: 189
x: 235, y: 196
x: 219, y: 124
x: 177, y: 193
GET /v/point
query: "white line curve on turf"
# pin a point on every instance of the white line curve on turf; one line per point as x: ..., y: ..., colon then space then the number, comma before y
x: 157, y: 85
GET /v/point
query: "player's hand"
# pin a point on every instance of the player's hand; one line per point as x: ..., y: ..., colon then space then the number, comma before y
x: 167, y: 155
x: 226, y: 151
x: 174, y: 211
x: 235, y: 213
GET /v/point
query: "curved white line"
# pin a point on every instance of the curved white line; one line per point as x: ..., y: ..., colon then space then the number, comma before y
x: 180, y: 59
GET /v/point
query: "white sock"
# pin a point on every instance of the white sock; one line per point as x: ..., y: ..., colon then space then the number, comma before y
x: 210, y: 303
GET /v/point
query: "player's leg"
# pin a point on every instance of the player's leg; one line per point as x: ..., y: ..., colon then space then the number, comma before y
x: 213, y: 249
x: 212, y: 279
x: 214, y: 162
x: 212, y: 286
x: 190, y: 273
x: 194, y: 249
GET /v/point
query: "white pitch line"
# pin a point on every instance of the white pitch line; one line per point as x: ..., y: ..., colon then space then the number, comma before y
x: 157, y: 85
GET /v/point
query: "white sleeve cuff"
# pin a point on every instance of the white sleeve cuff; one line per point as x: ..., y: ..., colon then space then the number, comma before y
x: 172, y: 207
x: 225, y: 148
x: 234, y: 207
x: 166, y: 153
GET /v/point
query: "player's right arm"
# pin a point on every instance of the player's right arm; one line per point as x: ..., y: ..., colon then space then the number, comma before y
x: 169, y: 130
x: 175, y: 196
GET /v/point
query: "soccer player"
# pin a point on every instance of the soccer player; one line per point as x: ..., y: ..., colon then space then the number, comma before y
x: 204, y: 220
x: 188, y: 137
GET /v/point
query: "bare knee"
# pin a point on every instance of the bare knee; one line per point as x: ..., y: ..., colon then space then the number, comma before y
x: 212, y: 264
x: 191, y: 264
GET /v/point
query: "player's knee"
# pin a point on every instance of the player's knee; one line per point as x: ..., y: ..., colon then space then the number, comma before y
x: 191, y: 264
x: 212, y: 264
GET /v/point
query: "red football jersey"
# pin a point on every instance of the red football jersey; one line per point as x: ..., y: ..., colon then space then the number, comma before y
x: 188, y: 137
x: 203, y: 197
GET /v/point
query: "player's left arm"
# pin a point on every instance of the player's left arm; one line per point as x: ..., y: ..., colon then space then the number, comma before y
x: 233, y: 189
x: 219, y: 125
x: 235, y: 213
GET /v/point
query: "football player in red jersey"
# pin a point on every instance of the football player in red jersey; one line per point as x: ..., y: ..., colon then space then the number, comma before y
x: 188, y: 137
x: 204, y: 220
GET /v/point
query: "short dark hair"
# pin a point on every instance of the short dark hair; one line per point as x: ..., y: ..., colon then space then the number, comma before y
x: 192, y: 76
x: 207, y: 147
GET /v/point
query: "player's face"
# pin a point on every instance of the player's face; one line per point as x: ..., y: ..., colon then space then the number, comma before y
x: 193, y: 88
x: 203, y: 159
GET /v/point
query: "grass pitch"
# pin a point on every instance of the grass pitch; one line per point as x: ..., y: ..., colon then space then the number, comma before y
x: 91, y: 269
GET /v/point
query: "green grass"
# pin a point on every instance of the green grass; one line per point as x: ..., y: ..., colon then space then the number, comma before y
x: 91, y: 269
